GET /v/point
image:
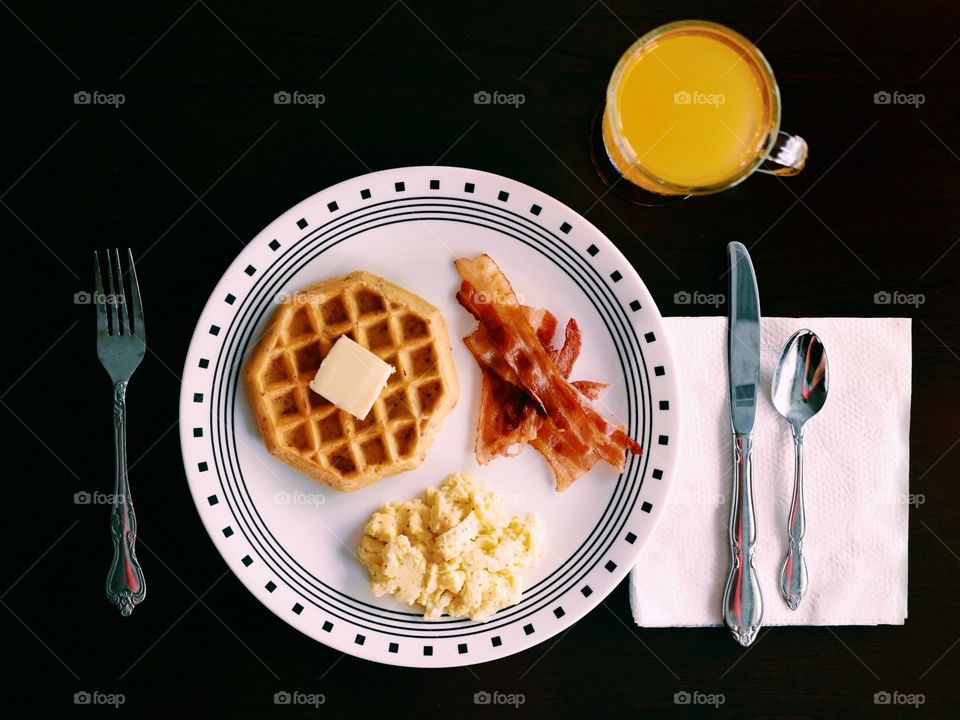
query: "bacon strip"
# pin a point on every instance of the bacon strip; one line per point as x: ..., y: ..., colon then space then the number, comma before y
x: 487, y: 356
x: 571, y: 435
x: 508, y: 416
x: 567, y: 355
x: 589, y: 388
x: 516, y: 341
x: 566, y: 468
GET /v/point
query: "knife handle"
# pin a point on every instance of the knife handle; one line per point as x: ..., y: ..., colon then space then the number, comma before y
x: 742, y: 601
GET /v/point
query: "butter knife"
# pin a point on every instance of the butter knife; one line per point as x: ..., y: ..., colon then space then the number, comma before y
x: 742, y: 600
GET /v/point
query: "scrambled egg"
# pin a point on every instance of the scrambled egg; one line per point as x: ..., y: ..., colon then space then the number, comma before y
x: 453, y: 550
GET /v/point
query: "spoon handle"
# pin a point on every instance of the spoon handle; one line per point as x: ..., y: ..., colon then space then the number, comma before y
x: 742, y: 601
x: 793, y: 572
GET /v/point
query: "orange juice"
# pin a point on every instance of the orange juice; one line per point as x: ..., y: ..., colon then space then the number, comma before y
x: 692, y: 108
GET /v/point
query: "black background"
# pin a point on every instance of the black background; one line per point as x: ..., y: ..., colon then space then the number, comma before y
x: 199, y: 158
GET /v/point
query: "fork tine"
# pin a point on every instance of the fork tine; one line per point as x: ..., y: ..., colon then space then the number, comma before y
x: 112, y: 316
x: 136, y: 307
x: 120, y: 299
x: 97, y: 294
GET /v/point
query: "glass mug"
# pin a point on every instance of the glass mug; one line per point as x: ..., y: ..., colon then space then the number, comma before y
x: 693, y: 108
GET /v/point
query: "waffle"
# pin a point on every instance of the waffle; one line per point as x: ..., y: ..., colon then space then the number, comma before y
x: 306, y: 431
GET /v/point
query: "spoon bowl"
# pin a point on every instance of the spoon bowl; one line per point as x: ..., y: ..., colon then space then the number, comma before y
x: 801, y: 379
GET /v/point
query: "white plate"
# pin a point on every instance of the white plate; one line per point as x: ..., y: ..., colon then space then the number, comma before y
x: 291, y: 540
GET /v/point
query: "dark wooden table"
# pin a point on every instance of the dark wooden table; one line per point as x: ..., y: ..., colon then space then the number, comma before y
x: 199, y: 158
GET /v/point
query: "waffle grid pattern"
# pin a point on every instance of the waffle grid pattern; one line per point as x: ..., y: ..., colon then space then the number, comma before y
x: 311, y: 426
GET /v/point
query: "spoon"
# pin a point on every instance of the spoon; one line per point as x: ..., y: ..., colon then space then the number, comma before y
x: 800, y: 385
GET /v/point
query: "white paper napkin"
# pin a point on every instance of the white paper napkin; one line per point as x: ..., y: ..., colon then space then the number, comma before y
x: 856, y: 453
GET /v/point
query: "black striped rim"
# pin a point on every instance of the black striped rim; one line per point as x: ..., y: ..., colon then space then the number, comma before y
x: 367, y: 610
x: 259, y: 299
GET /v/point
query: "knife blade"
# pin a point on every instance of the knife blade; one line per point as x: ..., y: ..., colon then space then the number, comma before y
x: 742, y: 599
x: 743, y: 340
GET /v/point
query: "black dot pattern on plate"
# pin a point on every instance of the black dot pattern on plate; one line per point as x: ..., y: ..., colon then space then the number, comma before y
x: 271, y: 586
x: 663, y: 440
x: 399, y: 186
x: 274, y: 245
x: 586, y: 590
x: 365, y: 194
x: 610, y: 566
x: 212, y: 500
x: 664, y: 404
x: 646, y: 507
x: 616, y: 276
x: 214, y: 330
x: 250, y: 270
x: 230, y: 299
x: 204, y: 363
x: 359, y: 639
x: 393, y: 647
x: 528, y: 629
x: 434, y: 184
x: 659, y: 371
x: 630, y: 538
x: 635, y: 305
x: 658, y: 474
x: 566, y: 228
x: 202, y: 467
x: 198, y: 432
x: 650, y: 337
x: 228, y: 531
x: 503, y: 196
x: 297, y: 608
x: 332, y: 206
x: 327, y: 626
x: 428, y: 650
x: 462, y: 648
x: 247, y: 561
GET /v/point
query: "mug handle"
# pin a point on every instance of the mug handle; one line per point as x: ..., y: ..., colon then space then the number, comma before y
x: 788, y: 156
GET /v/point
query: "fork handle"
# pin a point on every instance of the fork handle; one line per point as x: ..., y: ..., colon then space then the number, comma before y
x: 126, y: 587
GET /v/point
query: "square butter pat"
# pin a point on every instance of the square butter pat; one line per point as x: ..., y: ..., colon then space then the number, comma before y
x: 351, y: 377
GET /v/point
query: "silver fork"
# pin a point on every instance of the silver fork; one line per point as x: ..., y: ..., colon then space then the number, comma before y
x: 120, y: 347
